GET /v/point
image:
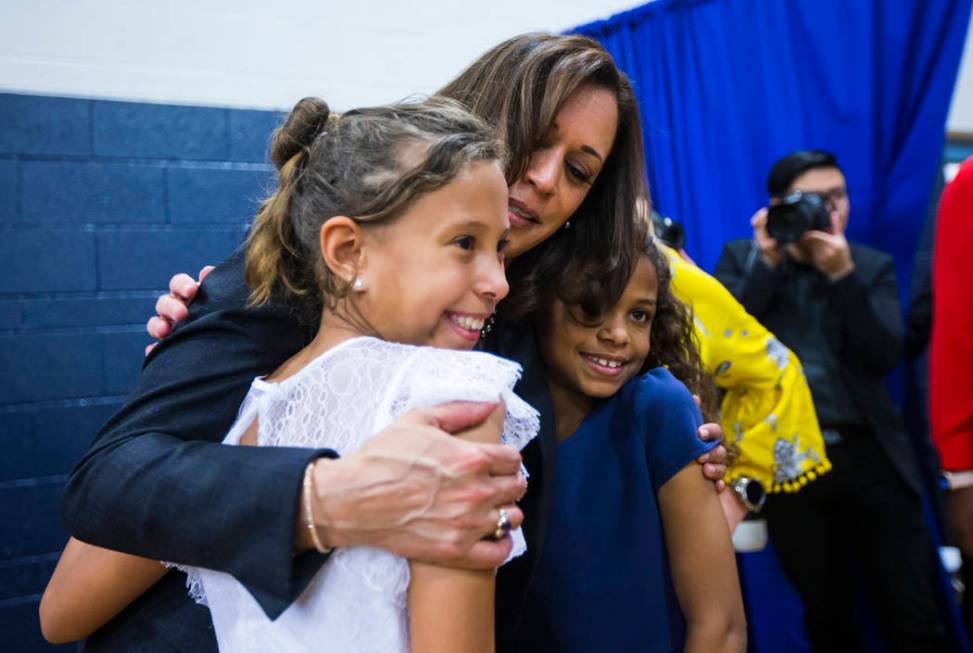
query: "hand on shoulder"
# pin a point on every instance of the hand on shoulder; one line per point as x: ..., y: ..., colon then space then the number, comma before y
x: 421, y: 493
x: 173, y: 307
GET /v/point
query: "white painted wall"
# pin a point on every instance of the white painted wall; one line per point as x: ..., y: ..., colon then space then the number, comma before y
x: 265, y: 54
x: 260, y: 53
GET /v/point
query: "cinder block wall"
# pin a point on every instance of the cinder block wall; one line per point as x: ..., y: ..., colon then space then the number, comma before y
x: 100, y: 203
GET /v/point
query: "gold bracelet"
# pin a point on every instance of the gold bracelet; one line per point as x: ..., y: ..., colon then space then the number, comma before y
x: 307, y: 497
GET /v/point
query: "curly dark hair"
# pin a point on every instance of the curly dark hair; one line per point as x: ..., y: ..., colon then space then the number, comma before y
x: 584, y: 282
x: 674, y: 344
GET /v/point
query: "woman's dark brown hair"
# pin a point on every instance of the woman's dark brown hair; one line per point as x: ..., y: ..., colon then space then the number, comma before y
x: 519, y: 86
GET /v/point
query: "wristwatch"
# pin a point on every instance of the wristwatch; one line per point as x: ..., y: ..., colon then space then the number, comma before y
x: 750, y: 491
x: 959, y: 480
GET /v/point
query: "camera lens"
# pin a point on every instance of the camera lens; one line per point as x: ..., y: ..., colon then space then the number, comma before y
x: 795, y: 214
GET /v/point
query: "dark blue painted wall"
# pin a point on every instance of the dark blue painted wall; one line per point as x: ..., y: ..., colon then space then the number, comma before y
x: 100, y: 203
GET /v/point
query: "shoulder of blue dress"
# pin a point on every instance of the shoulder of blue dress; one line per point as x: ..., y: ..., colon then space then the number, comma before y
x: 658, y: 378
x: 656, y: 386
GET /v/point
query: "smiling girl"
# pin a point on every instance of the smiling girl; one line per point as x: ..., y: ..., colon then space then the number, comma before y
x: 394, y: 220
x: 638, y: 557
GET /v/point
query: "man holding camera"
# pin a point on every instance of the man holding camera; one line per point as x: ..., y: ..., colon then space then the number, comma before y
x: 835, y: 304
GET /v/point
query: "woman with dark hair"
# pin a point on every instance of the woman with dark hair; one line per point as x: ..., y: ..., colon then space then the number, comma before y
x: 156, y: 484
x: 570, y: 119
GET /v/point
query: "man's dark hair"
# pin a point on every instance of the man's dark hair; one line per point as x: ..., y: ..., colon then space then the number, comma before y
x: 786, y: 170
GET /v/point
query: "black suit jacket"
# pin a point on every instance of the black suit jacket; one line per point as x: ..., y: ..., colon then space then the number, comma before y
x: 157, y: 483
x: 865, y: 333
x: 540, y: 458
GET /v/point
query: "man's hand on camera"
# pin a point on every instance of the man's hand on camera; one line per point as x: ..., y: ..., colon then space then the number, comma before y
x: 830, y: 253
x: 421, y: 493
x: 770, y: 250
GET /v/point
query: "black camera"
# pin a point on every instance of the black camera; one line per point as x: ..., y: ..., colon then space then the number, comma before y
x: 796, y: 213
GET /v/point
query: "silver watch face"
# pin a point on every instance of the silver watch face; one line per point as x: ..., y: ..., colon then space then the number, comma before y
x: 751, y: 491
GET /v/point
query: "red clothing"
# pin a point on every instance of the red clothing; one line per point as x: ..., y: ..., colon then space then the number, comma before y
x: 951, y: 351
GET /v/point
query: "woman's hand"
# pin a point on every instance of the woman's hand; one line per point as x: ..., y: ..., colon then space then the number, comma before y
x: 733, y: 510
x: 713, y: 461
x: 174, y: 307
x: 714, y: 468
x: 421, y: 493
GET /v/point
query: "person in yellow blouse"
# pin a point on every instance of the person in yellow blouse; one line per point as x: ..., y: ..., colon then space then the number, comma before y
x: 767, y: 413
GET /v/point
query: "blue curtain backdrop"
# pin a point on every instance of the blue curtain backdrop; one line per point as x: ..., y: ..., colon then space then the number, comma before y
x: 726, y: 87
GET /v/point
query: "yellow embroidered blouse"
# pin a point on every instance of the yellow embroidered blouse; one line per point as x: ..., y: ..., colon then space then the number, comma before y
x: 767, y: 413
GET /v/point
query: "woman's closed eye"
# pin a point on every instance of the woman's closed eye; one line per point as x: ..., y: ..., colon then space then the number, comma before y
x: 579, y: 174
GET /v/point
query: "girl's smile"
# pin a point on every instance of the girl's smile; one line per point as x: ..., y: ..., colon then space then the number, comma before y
x: 610, y: 366
x: 592, y: 357
x: 467, y: 326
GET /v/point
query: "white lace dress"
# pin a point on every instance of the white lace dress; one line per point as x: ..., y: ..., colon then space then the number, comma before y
x: 357, y: 601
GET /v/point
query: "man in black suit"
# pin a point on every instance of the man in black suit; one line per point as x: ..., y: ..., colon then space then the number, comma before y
x: 836, y: 305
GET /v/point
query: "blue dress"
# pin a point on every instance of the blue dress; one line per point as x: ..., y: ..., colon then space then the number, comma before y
x: 603, y: 581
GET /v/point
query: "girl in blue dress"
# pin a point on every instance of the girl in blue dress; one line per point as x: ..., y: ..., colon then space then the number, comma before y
x: 638, y: 554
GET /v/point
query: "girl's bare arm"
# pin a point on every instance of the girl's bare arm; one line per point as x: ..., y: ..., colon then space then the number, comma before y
x: 703, y: 566
x: 452, y: 609
x: 91, y: 585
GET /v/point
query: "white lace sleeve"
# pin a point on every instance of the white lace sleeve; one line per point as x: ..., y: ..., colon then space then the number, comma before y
x: 436, y: 376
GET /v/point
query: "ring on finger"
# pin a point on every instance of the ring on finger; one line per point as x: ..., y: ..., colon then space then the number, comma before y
x: 503, y: 525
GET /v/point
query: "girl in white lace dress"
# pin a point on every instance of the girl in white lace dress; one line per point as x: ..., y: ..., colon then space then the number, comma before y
x: 392, y: 223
